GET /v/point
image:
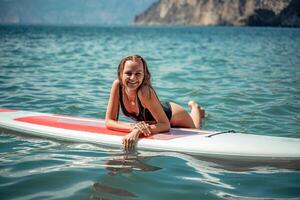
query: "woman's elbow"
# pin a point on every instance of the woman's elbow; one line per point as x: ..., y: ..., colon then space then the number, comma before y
x: 108, y: 123
x: 167, y: 127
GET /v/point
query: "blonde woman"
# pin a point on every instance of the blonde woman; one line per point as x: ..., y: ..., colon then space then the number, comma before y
x: 134, y: 94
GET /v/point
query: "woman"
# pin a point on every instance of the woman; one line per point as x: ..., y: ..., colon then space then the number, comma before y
x: 133, y: 92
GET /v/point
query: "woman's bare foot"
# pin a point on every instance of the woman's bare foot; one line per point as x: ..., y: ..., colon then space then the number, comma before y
x: 192, y: 104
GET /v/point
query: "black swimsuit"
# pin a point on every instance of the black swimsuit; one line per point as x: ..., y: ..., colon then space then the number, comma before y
x: 144, y: 114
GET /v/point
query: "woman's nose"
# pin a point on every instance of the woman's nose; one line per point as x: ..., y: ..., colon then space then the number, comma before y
x: 132, y: 76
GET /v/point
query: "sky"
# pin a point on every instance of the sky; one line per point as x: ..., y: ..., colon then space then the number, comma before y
x: 71, y: 12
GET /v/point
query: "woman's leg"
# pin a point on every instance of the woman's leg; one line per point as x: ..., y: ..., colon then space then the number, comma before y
x: 181, y: 118
x: 196, y: 113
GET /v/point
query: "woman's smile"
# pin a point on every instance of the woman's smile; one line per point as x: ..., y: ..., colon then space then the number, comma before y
x: 133, y: 83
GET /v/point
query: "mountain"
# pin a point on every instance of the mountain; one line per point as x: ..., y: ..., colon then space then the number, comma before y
x: 71, y: 12
x: 222, y: 12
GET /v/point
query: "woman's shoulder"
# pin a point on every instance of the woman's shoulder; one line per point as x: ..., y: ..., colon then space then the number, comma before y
x: 116, y: 83
x: 145, y: 92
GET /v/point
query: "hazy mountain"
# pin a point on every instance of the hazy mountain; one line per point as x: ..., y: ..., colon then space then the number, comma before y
x: 77, y: 12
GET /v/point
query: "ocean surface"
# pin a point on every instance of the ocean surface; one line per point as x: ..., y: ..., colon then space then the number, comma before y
x: 247, y: 79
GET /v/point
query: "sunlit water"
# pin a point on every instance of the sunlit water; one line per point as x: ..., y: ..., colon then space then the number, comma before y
x: 247, y: 79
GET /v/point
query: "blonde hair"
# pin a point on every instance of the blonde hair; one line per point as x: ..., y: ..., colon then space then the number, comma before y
x: 147, y: 75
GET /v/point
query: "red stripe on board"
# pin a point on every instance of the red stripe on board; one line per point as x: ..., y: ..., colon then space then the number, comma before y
x: 57, y: 122
x: 7, y: 110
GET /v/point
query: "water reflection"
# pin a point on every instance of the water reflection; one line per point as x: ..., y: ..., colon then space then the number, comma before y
x: 252, y: 165
x: 112, y: 190
x: 117, y: 164
x: 129, y: 162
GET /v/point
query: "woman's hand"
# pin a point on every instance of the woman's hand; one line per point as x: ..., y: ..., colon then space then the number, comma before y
x: 131, y: 138
x: 143, y: 127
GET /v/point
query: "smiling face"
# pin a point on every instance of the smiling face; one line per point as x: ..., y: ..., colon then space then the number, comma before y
x: 133, y: 74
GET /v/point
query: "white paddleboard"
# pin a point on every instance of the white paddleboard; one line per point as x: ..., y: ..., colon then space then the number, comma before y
x: 237, y: 146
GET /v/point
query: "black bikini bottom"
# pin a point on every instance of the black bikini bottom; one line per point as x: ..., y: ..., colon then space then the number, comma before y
x: 167, y: 108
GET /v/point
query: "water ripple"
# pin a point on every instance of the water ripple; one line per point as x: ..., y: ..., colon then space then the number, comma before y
x: 247, y: 79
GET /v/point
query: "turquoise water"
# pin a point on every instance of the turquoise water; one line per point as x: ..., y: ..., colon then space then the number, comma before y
x: 247, y: 79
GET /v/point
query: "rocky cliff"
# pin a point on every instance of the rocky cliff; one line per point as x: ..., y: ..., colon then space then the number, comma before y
x: 223, y: 12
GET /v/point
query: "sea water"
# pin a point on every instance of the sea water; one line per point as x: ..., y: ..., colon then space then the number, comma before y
x: 247, y: 79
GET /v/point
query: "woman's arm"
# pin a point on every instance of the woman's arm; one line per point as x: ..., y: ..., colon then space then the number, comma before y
x: 150, y: 101
x: 111, y: 121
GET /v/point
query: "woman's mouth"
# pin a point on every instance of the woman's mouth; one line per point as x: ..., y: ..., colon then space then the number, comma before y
x: 131, y: 83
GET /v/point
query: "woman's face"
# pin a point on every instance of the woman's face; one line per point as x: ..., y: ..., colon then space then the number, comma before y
x: 133, y: 74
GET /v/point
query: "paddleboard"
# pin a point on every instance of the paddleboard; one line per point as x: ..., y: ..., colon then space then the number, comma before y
x: 237, y: 146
